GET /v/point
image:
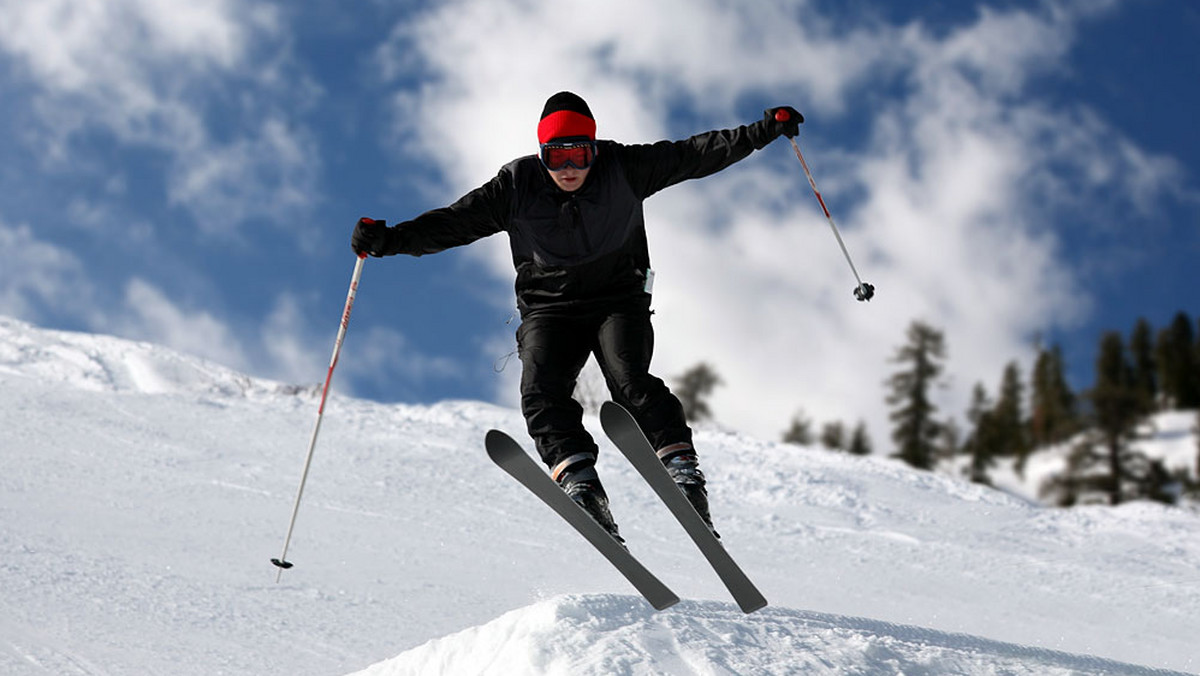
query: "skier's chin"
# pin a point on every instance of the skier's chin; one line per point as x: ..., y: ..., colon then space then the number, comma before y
x: 569, y: 180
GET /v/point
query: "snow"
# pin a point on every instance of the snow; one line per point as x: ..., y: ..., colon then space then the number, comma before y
x: 142, y: 493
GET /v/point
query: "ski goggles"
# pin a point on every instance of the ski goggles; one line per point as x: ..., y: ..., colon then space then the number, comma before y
x: 559, y: 155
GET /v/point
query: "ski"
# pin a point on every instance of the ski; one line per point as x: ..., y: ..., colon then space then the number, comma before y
x: 624, y: 432
x: 508, y: 454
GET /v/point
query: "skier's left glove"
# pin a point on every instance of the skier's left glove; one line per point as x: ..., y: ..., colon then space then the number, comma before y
x: 783, y: 121
x: 370, y: 236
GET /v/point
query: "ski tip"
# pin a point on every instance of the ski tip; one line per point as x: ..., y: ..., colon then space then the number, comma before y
x: 663, y: 604
x: 280, y: 563
x: 751, y: 606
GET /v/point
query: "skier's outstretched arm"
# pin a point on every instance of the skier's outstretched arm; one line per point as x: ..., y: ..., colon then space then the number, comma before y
x: 476, y: 215
x: 652, y: 167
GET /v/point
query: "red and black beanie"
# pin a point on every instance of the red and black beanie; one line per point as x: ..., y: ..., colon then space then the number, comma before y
x: 566, y: 115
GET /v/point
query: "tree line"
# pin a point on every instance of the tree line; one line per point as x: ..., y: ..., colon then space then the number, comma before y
x: 1136, y: 376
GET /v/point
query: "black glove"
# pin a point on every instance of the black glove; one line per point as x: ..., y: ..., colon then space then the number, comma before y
x: 784, y: 120
x: 370, y: 236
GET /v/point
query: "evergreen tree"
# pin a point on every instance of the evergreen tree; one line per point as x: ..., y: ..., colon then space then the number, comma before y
x: 981, y: 443
x: 800, y: 431
x: 1145, y: 375
x: 916, y: 430
x: 1053, y: 417
x: 1115, y: 401
x: 1007, y: 416
x: 1104, y: 462
x: 694, y: 388
x: 833, y: 436
x: 1178, y: 365
x: 860, y: 441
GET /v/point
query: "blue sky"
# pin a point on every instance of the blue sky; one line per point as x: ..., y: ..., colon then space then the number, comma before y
x: 1000, y: 170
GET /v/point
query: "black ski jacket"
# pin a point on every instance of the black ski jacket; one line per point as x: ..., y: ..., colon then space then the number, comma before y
x: 577, y: 251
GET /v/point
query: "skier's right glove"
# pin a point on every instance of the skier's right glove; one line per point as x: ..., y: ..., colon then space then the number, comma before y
x: 370, y: 236
x: 783, y: 121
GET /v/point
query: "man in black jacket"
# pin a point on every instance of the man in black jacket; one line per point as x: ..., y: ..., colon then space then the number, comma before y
x: 573, y: 214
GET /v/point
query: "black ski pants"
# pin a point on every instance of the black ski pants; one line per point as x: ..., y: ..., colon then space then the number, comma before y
x: 554, y: 346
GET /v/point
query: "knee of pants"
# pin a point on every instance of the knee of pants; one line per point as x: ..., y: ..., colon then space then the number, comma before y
x: 641, y: 391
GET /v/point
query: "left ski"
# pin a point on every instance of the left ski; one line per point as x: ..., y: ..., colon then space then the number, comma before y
x: 624, y: 432
x: 508, y: 454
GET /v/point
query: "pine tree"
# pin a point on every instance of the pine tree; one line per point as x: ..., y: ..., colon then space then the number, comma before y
x: 1008, y: 418
x: 916, y: 430
x: 800, y: 431
x: 694, y: 388
x: 1145, y: 376
x: 833, y: 436
x: 1178, y: 365
x: 1105, y: 462
x: 981, y: 442
x: 860, y: 441
x: 1053, y: 418
x: 1115, y: 401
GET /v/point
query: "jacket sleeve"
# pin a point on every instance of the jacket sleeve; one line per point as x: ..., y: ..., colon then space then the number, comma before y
x: 650, y: 168
x: 482, y: 212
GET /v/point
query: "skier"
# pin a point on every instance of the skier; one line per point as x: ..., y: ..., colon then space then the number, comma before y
x: 574, y: 218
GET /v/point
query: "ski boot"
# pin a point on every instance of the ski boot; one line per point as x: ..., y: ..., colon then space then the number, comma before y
x: 683, y: 466
x: 582, y: 484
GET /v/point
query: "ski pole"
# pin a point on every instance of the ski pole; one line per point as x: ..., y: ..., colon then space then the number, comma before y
x: 863, y: 291
x: 282, y: 561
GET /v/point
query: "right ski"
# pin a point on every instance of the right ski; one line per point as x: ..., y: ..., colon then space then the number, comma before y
x: 508, y: 454
x: 624, y: 432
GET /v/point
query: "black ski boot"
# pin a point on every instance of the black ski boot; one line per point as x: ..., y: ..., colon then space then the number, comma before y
x: 584, y: 487
x: 685, y: 470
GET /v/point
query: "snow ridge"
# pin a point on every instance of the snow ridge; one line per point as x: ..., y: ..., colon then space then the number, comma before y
x: 604, y: 634
x: 108, y: 364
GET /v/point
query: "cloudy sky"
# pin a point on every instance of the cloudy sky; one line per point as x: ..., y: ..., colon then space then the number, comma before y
x: 189, y: 174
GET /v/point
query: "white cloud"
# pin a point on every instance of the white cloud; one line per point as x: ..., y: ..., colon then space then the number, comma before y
x: 267, y: 172
x: 385, y: 356
x: 38, y: 278
x: 148, y: 73
x: 149, y: 314
x: 291, y: 352
x: 948, y: 208
x: 294, y: 352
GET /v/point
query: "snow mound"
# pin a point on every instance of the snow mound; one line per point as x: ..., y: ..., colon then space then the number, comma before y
x: 108, y: 364
x: 605, y: 634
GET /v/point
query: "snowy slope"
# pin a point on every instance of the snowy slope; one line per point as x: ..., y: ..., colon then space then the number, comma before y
x: 142, y: 493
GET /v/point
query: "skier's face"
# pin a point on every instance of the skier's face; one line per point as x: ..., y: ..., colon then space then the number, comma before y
x: 569, y: 160
x: 569, y: 179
